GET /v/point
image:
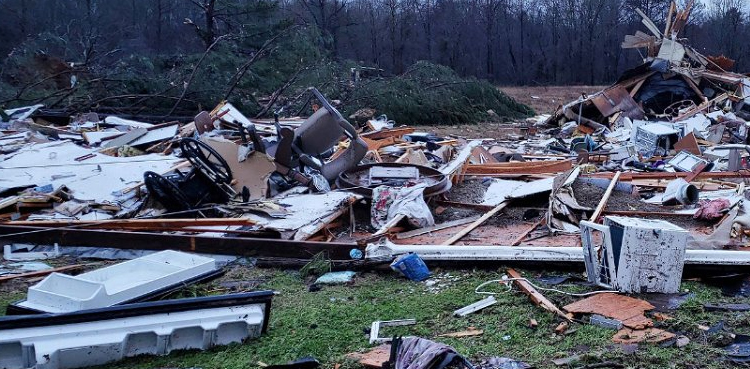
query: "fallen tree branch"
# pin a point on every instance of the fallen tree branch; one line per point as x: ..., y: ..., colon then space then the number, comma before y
x: 192, y: 74
x: 245, y: 67
x: 278, y: 93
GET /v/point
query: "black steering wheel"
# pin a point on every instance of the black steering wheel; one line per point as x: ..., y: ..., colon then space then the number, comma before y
x: 207, y: 160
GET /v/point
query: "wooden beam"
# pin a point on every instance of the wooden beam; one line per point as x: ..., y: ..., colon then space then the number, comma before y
x: 385, y: 133
x: 536, y: 297
x: 387, y: 226
x: 476, y: 223
x: 605, y: 198
x: 236, y: 246
x: 529, y: 167
x: 626, y: 177
x: 629, y: 213
x: 525, y: 233
x: 40, y: 273
x: 464, y: 205
x: 436, y: 227
x: 134, y: 223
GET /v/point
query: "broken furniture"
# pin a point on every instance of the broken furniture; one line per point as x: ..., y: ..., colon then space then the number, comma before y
x: 99, y: 336
x: 376, y: 325
x: 300, y: 154
x: 206, y: 183
x: 637, y: 255
x: 655, y: 139
x: 687, y: 162
x: 364, y: 178
x: 736, y: 157
x: 130, y: 281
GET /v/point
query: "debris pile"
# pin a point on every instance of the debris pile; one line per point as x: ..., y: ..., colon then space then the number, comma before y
x: 636, y: 183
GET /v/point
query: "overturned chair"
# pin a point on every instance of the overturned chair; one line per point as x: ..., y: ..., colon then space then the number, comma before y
x: 300, y: 154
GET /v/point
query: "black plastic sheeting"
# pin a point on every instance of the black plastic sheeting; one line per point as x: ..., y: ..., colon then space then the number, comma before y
x: 658, y: 93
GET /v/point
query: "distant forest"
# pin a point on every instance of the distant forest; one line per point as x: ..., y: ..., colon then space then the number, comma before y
x: 253, y: 47
x: 516, y: 42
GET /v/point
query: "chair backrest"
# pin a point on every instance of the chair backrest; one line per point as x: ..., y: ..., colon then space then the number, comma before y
x: 318, y: 133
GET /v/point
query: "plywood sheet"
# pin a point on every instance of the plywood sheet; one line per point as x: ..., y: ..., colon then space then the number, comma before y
x: 626, y: 309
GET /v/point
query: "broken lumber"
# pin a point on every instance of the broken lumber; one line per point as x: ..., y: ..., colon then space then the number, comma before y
x: 387, y: 226
x: 605, y: 198
x: 630, y: 311
x: 476, y: 223
x: 536, y: 297
x: 527, y: 231
x: 386, y: 133
x: 40, y: 273
x: 436, y: 227
x: 237, y: 246
x: 134, y: 223
x: 528, y: 167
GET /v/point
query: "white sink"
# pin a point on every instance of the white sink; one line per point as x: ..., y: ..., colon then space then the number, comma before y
x: 59, y: 293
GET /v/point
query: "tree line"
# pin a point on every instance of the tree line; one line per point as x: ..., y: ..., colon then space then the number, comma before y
x: 506, y: 41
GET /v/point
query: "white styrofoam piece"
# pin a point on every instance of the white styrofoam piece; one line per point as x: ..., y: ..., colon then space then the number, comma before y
x: 58, y: 293
x: 8, y: 254
x: 96, y: 178
x: 504, y: 189
x: 100, y: 342
x: 22, y: 112
x: 159, y: 134
x: 458, y: 161
x: 305, y: 209
x: 126, y: 122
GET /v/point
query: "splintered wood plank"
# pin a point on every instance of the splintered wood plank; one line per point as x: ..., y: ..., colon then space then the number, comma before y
x: 605, y: 198
x: 386, y: 133
x: 436, y: 227
x: 535, y: 296
x: 688, y: 143
x: 467, y: 333
x: 528, y: 167
x: 626, y: 309
x: 374, y: 358
x: 476, y: 223
x: 40, y: 273
x: 651, y: 335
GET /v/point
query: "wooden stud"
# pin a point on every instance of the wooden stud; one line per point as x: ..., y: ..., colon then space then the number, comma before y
x: 536, y: 297
x: 476, y: 223
x: 605, y: 198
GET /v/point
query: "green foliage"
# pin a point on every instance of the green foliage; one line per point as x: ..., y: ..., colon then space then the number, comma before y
x: 243, y: 68
x: 319, y: 265
x: 434, y: 94
x: 427, y: 94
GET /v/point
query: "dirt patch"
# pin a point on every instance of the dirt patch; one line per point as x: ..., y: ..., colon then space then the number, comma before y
x: 498, y: 131
x: 545, y: 99
x: 450, y: 214
x: 469, y: 192
x: 589, y: 195
x: 512, y: 216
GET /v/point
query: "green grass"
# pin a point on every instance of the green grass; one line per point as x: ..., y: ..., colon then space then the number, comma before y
x: 332, y: 322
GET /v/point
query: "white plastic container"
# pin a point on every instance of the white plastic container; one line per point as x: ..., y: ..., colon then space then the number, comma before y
x: 115, y: 284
